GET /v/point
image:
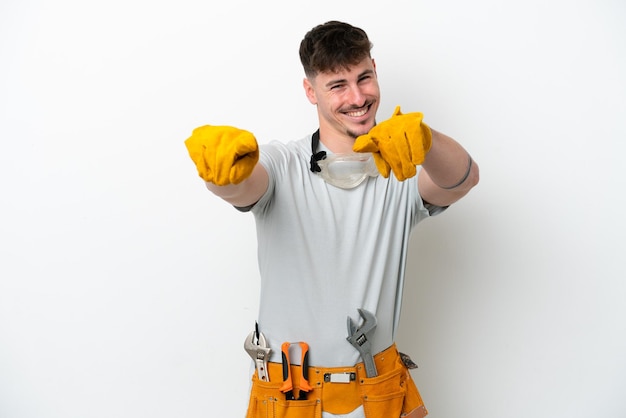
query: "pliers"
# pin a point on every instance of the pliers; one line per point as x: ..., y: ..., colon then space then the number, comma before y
x: 287, y: 387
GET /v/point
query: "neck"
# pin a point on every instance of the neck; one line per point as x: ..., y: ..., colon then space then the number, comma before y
x: 338, y: 144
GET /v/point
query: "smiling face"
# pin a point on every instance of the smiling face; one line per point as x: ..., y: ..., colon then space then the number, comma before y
x: 346, y: 100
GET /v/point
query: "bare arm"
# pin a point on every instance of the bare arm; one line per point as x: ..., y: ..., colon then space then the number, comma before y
x: 445, y: 166
x: 246, y: 193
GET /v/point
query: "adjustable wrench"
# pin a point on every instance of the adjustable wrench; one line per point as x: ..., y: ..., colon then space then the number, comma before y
x: 259, y: 352
x: 358, y: 337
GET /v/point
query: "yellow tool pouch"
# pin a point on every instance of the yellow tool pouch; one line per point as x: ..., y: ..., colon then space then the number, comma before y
x: 340, y: 390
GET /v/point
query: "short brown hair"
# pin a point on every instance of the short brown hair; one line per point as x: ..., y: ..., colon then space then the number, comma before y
x: 333, y: 46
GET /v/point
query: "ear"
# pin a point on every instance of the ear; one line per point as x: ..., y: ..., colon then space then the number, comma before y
x: 309, y: 91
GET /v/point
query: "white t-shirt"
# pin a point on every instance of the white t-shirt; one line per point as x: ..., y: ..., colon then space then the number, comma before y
x: 324, y: 252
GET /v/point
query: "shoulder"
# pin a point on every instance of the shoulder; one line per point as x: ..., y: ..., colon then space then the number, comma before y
x: 276, y: 153
x: 296, y: 146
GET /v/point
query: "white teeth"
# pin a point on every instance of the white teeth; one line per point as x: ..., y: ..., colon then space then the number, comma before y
x: 357, y: 114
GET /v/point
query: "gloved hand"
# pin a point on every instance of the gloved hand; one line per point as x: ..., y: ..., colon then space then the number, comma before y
x: 223, y: 154
x: 399, y: 144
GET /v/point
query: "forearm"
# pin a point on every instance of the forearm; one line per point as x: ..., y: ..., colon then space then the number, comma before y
x: 245, y: 193
x: 448, y: 172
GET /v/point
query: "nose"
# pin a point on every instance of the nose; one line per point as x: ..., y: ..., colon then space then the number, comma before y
x: 356, y: 97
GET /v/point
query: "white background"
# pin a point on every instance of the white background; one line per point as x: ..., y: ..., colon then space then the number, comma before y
x: 127, y: 289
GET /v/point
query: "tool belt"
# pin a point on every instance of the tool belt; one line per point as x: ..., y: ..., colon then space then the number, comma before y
x: 340, y: 390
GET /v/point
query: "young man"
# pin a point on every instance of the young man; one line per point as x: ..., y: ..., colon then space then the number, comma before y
x: 334, y: 212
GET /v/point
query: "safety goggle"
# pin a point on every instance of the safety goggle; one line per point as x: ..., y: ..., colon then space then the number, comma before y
x: 347, y: 170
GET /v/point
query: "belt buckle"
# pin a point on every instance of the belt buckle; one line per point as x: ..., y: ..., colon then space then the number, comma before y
x: 346, y: 377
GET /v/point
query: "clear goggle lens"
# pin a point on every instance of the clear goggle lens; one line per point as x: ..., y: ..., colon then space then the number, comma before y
x: 347, y: 170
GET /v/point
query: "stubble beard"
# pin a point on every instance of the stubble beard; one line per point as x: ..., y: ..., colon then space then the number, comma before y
x: 355, y: 135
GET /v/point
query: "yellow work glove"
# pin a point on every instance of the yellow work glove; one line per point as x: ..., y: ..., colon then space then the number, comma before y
x: 223, y: 154
x: 398, y: 144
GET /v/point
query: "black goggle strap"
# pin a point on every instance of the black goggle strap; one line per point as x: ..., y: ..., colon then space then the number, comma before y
x: 316, y: 156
